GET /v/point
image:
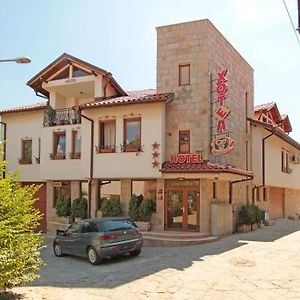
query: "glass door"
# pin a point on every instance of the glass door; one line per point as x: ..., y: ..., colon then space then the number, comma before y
x: 192, y: 210
x: 175, y: 209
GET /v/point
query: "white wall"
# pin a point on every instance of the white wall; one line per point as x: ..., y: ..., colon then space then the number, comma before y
x: 27, y: 125
x: 125, y: 164
x: 273, y: 173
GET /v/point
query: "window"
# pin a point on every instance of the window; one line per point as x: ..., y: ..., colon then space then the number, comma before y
x: 107, y: 136
x: 26, y: 157
x: 74, y: 228
x: 108, y: 190
x: 184, y: 74
x: 64, y: 74
x: 61, y: 190
x: 89, y: 227
x: 59, y: 146
x: 146, y: 188
x: 76, y: 145
x: 132, y: 135
x: 184, y: 141
x: 214, y: 190
x: 79, y: 73
x: 285, y: 158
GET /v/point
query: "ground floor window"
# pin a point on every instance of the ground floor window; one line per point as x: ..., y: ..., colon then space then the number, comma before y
x: 108, y: 189
x: 62, y: 189
x: 147, y: 188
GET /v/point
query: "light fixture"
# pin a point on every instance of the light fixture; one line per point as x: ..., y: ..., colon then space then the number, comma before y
x: 19, y: 60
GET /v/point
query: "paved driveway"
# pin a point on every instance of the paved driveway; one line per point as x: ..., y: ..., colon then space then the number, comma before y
x: 264, y: 264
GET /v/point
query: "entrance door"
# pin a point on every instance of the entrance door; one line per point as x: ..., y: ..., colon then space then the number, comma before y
x: 182, y: 209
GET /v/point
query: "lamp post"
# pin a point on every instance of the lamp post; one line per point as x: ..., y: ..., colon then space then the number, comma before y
x: 19, y: 60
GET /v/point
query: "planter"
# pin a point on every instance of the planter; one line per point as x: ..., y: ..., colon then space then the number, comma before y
x: 143, y: 226
x: 254, y: 227
x: 243, y: 228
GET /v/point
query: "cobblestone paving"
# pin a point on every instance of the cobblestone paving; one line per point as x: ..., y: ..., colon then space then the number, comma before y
x: 264, y: 264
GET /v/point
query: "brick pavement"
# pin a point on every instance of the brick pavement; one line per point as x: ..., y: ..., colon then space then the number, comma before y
x: 264, y: 264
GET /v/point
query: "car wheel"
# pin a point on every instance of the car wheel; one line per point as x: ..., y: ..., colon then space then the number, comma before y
x: 57, y: 250
x: 93, y: 257
x: 135, y: 252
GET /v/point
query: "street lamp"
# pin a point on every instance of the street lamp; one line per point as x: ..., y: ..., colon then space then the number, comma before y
x: 19, y: 60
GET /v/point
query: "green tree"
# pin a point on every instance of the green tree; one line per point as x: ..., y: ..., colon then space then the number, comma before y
x: 111, y: 208
x: 19, y: 244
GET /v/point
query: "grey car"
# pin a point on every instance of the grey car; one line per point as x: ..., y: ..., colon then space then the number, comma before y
x: 99, y: 238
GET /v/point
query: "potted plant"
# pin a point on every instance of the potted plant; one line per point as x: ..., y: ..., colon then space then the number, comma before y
x: 145, y: 212
x: 63, y: 209
x: 249, y: 216
x: 79, y: 208
x: 111, y: 208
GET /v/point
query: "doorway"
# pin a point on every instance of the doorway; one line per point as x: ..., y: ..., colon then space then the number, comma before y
x: 182, y: 205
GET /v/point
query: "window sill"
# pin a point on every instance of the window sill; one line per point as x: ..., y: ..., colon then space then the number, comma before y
x: 25, y: 162
x: 106, y: 151
x: 58, y: 157
x: 76, y: 157
x: 132, y: 150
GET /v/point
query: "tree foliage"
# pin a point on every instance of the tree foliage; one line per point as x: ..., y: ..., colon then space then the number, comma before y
x: 19, y: 244
x: 111, y: 208
x: 79, y: 208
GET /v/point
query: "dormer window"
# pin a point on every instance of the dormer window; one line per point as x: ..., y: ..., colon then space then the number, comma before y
x: 79, y: 73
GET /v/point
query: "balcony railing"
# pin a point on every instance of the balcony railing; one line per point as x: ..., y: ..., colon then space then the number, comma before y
x: 65, y: 116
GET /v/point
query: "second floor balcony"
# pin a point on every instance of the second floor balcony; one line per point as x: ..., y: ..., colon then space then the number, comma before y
x: 64, y: 116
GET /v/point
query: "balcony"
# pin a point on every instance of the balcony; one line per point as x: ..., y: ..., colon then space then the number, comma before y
x: 65, y: 116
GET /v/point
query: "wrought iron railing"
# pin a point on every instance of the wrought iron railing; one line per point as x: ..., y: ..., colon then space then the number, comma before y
x: 64, y: 116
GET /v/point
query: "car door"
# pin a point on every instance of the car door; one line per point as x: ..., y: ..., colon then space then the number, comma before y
x: 88, y: 235
x: 70, y: 240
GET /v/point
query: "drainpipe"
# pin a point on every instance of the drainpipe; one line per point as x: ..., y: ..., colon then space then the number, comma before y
x: 231, y: 183
x: 4, y: 146
x: 91, y: 164
x: 298, y: 16
x: 263, y: 157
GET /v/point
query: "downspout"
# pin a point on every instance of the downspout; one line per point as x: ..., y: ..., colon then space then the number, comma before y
x: 263, y: 157
x: 231, y: 183
x: 298, y: 17
x: 91, y: 164
x: 4, y: 146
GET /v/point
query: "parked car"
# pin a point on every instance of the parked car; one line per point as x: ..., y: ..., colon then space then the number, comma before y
x: 99, y: 238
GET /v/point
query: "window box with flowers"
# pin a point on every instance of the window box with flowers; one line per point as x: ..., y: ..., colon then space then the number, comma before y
x: 25, y: 161
x: 75, y: 155
x: 105, y: 149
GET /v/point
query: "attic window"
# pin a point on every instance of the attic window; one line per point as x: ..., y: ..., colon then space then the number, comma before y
x: 79, y: 73
x: 62, y: 75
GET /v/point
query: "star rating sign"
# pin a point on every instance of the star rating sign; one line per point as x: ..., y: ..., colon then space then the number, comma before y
x: 155, y: 146
x: 155, y: 154
x: 155, y: 164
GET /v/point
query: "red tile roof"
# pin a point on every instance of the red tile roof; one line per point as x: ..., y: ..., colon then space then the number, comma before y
x: 142, y: 96
x: 205, y: 167
x: 31, y: 107
x: 276, y: 131
x: 265, y: 106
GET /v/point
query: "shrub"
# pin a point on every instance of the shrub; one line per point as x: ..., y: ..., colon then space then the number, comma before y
x: 250, y: 214
x: 19, y: 244
x: 111, y: 208
x: 134, y: 204
x: 63, y: 207
x: 145, y: 210
x: 79, y: 208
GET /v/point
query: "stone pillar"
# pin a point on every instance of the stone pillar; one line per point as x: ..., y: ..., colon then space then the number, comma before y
x: 125, y: 194
x: 94, y: 198
x: 75, y: 189
x: 205, y: 200
x: 157, y: 219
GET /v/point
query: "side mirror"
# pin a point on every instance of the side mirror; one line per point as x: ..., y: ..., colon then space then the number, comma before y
x: 60, y: 232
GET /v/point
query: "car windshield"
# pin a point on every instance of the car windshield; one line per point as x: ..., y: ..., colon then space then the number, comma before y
x: 114, y: 225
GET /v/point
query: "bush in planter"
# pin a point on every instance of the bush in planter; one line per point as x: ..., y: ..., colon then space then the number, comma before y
x: 79, y: 208
x: 145, y: 210
x: 250, y: 214
x: 111, y: 208
x: 63, y: 207
x: 134, y: 205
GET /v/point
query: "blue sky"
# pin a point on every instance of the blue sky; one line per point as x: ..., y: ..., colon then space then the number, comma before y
x: 120, y: 36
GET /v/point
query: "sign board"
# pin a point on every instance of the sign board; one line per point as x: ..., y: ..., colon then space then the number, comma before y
x: 193, y: 158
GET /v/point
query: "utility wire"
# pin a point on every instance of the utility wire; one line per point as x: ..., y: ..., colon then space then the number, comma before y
x: 294, y: 29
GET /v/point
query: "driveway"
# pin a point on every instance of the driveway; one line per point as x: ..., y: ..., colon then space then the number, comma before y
x: 264, y: 264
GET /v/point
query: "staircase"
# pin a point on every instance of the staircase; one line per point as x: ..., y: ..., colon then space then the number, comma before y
x: 175, y: 239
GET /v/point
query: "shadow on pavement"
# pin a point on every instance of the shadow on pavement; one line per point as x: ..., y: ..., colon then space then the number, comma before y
x: 76, y: 272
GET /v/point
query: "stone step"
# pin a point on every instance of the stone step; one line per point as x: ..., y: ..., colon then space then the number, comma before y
x: 172, y: 242
x: 174, y: 235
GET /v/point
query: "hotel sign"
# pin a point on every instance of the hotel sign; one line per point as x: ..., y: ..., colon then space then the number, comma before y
x: 221, y: 143
x: 186, y: 158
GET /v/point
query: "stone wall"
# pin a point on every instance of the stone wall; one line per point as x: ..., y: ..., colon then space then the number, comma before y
x: 292, y: 202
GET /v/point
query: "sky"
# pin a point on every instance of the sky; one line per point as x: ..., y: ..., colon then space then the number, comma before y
x: 120, y: 36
